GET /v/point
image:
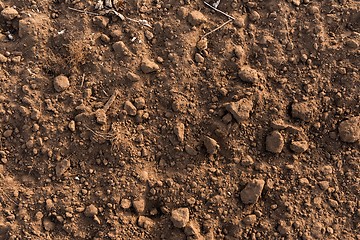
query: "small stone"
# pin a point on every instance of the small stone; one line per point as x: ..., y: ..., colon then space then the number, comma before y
x: 125, y: 203
x: 352, y: 43
x: 145, y: 222
x: 140, y: 103
x: 130, y: 108
x: 240, y: 22
x: 333, y: 203
x: 148, y: 66
x: 72, y: 125
x: 324, y: 185
x: 283, y: 229
x: 101, y: 21
x: 195, y: 18
x: 240, y: 54
x: 274, y: 142
x: 91, y: 211
x: 296, y: 2
x: 62, y: 167
x: 254, y: 16
x: 240, y: 109
x: 190, y: 150
x: 180, y: 217
x: 304, y: 181
x: 211, y: 145
x: 192, y: 229
x: 121, y: 49
x: 35, y: 114
x: 133, y: 77
x: 49, y: 204
x: 279, y: 124
x: 249, y: 75
x: 251, y: 193
x: 349, y: 130
x: 305, y: 111
x: 61, y: 83
x: 3, y: 59
x: 48, y: 224
x: 179, y: 130
x: 247, y: 161
x: 8, y: 133
x: 139, y: 205
x: 202, y: 44
x: 299, y: 146
x: 199, y: 58
x: 105, y: 38
x: 100, y: 116
x: 249, y: 220
x: 9, y: 13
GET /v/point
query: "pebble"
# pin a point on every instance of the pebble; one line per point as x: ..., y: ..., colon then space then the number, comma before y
x: 129, y: 108
x: 149, y: 66
x: 304, y: 110
x: 202, y: 44
x: 145, y: 222
x: 61, y: 83
x: 199, y: 58
x: 72, y: 126
x: 179, y: 130
x: 3, y: 59
x: 8, y: 133
x: 62, y: 167
x: 274, y: 142
x: 139, y: 205
x: 249, y: 75
x: 48, y: 224
x: 91, y: 211
x: 249, y: 219
x: 211, y: 145
x: 180, y: 217
x: 254, y: 16
x: 133, y: 77
x: 121, y: 49
x: 240, y: 54
x: 333, y: 203
x: 349, y: 130
x: 49, y: 204
x: 296, y: 2
x: 299, y: 146
x: 140, y: 103
x: 192, y: 229
x: 251, y: 193
x: 190, y: 150
x: 240, y: 109
x: 100, y: 116
x: 101, y: 21
x: 125, y: 203
x: 247, y: 161
x: 324, y: 185
x: 9, y: 13
x: 195, y: 18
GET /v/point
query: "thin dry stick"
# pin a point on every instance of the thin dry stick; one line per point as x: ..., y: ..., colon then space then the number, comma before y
x: 214, y: 30
x: 84, y: 11
x: 214, y: 8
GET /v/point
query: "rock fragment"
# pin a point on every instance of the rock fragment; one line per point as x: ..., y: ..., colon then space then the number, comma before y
x: 180, y: 217
x: 349, y: 130
x: 211, y: 145
x: 101, y: 21
x: 139, y: 205
x: 100, y: 116
x: 198, y: 58
x: 274, y: 142
x: 299, y: 146
x: 48, y: 224
x: 195, y: 18
x: 121, y: 49
x: 240, y: 109
x: 61, y: 83
x: 305, y: 111
x: 62, y: 167
x: 130, y: 108
x: 192, y: 229
x: 249, y: 75
x: 9, y: 13
x: 3, y: 59
x: 251, y: 193
x: 249, y: 220
x: 125, y: 203
x: 91, y: 211
x: 133, y: 77
x: 145, y: 222
x: 179, y: 130
x: 149, y: 66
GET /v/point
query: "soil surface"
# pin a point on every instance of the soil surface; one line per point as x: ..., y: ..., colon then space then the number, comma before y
x: 167, y: 119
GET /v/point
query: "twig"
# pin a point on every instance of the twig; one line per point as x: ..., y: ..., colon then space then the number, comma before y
x: 214, y: 8
x: 110, y: 101
x: 214, y: 30
x: 84, y: 11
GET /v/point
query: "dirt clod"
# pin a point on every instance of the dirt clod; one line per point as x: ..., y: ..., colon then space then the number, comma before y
x: 196, y: 18
x: 9, y: 13
x: 249, y: 75
x: 240, y: 109
x: 299, y: 146
x: 149, y: 66
x: 211, y: 145
x: 91, y: 211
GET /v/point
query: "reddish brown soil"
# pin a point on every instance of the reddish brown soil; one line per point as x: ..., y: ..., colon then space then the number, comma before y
x: 111, y: 129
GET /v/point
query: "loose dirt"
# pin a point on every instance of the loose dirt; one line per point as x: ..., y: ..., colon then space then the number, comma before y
x: 171, y: 120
